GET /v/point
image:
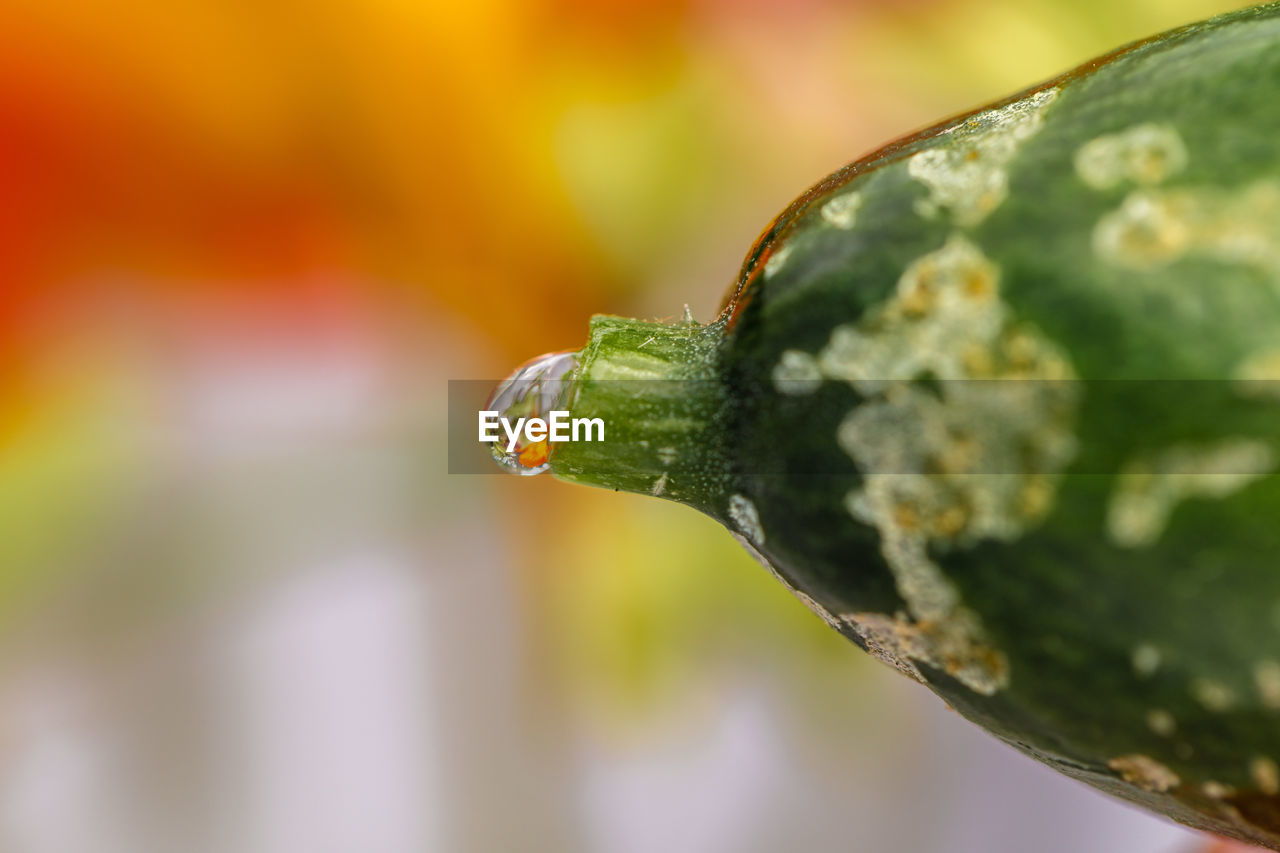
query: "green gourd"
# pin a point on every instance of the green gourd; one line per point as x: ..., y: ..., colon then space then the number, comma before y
x: 996, y: 402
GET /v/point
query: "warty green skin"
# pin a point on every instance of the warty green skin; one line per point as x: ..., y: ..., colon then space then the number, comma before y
x: 1139, y: 668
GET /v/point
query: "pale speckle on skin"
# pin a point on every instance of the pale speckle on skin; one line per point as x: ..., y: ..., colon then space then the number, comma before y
x: 1149, y: 488
x: 667, y: 455
x: 1161, y: 722
x: 796, y: 373
x: 1216, y: 790
x: 946, y: 319
x: 777, y: 260
x: 967, y: 172
x: 842, y: 211
x: 927, y: 455
x: 1149, y: 231
x: 1266, y: 677
x: 1146, y: 660
x: 1153, y: 228
x: 1213, y: 695
x: 1144, y: 154
x: 1265, y: 774
x: 743, y: 513
x: 1147, y: 773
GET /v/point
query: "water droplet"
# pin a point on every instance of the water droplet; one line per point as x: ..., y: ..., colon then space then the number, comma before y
x: 536, y: 388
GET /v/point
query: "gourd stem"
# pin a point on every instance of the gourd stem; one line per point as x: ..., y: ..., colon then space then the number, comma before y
x: 655, y: 389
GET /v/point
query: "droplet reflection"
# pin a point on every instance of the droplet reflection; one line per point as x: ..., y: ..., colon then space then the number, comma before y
x: 535, y: 389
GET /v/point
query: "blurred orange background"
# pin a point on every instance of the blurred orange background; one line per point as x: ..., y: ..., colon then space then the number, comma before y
x: 243, y: 248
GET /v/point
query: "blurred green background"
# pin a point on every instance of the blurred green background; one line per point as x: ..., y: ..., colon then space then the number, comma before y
x: 243, y: 248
